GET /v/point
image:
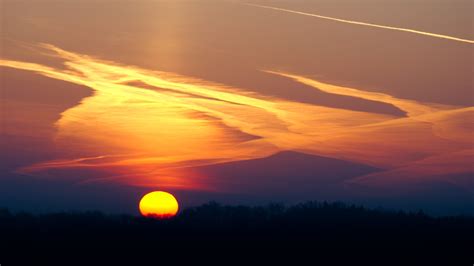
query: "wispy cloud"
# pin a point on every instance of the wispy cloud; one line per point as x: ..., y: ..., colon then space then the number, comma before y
x: 147, y: 127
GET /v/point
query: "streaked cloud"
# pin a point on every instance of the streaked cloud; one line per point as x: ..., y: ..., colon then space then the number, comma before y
x: 146, y: 127
x: 419, y: 32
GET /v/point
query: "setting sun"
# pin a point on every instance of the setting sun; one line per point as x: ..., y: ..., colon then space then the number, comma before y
x: 158, y: 204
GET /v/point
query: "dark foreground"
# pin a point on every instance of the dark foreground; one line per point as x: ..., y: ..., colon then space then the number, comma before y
x: 309, y: 234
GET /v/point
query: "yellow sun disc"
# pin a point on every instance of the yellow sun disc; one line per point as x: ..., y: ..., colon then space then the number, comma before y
x: 158, y: 204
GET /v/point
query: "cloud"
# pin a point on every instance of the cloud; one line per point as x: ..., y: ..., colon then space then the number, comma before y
x: 147, y: 128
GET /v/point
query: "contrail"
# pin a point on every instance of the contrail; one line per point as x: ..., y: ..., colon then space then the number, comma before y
x: 447, y: 37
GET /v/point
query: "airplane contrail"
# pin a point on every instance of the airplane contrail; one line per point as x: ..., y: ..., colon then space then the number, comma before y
x: 447, y: 37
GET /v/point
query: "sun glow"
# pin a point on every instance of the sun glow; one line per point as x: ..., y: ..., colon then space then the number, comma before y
x: 158, y: 204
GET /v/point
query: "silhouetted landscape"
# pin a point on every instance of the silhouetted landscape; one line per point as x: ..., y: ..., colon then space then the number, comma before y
x: 318, y: 232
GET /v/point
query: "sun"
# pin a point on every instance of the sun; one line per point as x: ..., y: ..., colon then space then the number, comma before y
x: 158, y: 204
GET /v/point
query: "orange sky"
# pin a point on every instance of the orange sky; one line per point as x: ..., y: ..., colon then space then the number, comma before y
x: 144, y: 93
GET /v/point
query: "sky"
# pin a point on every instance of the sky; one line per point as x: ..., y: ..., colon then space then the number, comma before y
x: 243, y: 102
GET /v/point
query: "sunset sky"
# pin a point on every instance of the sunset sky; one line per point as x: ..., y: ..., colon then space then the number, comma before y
x: 245, y: 102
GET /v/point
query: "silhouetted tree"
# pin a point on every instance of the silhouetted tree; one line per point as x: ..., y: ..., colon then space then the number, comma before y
x: 308, y: 228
